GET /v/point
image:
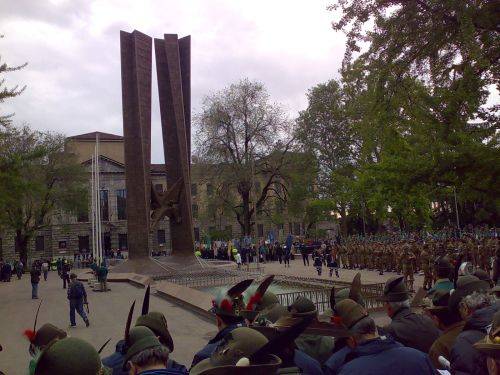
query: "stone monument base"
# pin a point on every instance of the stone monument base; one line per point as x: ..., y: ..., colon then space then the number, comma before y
x: 171, y: 266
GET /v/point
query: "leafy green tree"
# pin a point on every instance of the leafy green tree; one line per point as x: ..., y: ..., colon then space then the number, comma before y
x: 419, y: 73
x: 40, y: 177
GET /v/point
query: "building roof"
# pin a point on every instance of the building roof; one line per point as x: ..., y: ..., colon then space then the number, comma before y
x: 102, y: 136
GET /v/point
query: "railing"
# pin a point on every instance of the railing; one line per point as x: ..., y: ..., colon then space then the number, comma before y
x: 321, y: 299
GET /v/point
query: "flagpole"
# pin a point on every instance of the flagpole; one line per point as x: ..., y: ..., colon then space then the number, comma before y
x: 93, y: 209
x: 99, y: 232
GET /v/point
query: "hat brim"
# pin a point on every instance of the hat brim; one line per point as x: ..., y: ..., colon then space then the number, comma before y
x: 488, y: 349
x: 270, y: 366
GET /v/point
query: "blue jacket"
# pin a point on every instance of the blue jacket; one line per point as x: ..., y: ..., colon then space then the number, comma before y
x: 335, y: 362
x: 115, y: 362
x: 384, y: 356
x: 208, y: 349
x: 306, y: 363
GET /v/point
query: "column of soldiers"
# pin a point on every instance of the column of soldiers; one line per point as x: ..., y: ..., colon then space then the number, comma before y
x: 408, y: 257
x: 256, y: 334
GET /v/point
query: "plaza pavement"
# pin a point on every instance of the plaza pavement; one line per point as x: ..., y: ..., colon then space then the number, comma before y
x: 108, y: 314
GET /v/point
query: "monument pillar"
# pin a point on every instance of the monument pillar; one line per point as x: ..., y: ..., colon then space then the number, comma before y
x: 173, y: 68
x: 136, y: 49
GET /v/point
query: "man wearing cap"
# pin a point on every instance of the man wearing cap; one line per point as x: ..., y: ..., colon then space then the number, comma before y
x: 369, y: 353
x: 476, y: 307
x: 226, y: 310
x: 313, y: 350
x: 146, y: 355
x: 77, y: 297
x: 157, y: 323
x: 235, y: 355
x: 490, y: 346
x: 68, y: 356
x: 410, y: 329
x: 449, y: 322
x: 443, y: 270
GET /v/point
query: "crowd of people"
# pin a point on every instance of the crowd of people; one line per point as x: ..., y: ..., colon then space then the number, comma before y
x: 454, y: 328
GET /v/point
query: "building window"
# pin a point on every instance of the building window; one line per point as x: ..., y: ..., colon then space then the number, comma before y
x: 197, y: 234
x: 260, y: 230
x: 122, y: 241
x: 39, y: 243
x: 82, y: 216
x: 104, y: 205
x: 121, y: 204
x: 161, y: 236
x: 194, y: 189
x: 194, y: 209
x: 83, y: 244
x: 210, y: 190
x: 159, y: 188
x: 281, y: 226
x: 290, y: 228
x: 62, y: 244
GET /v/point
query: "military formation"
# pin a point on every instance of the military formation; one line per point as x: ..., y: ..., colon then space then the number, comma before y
x: 453, y: 327
x: 416, y: 255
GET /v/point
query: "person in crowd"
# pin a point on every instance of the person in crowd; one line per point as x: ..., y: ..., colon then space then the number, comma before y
x: 35, y: 279
x: 369, y: 353
x: 489, y: 347
x: 77, y: 297
x: 146, y: 355
x: 314, y: 349
x: 476, y: 307
x: 409, y: 328
x: 65, y: 268
x: 45, y: 269
x: 449, y: 322
x: 237, y: 258
x: 331, y: 263
x: 303, y: 251
x: 102, y: 276
x: 318, y: 262
x: 226, y: 309
x: 443, y: 270
x: 19, y: 269
x: 68, y: 356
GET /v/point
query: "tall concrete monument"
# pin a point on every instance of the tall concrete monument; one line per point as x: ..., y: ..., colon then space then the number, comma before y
x: 145, y: 206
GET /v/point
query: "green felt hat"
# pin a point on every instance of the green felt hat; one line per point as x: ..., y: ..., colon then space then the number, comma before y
x: 466, y: 285
x: 157, y: 322
x: 345, y: 293
x: 69, y: 356
x: 46, y: 334
x: 348, y: 313
x: 395, y: 290
x: 232, y: 356
x: 140, y: 338
x: 302, y: 306
x: 490, y: 345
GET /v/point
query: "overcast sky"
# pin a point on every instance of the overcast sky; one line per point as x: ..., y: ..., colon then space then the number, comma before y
x: 73, y: 51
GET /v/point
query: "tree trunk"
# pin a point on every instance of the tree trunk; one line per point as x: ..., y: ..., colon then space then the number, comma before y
x: 247, y: 215
x: 21, y: 245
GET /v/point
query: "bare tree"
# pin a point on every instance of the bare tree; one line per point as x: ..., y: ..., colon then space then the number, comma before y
x: 243, y: 141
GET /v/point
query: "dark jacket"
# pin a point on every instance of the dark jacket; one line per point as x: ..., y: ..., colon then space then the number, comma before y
x: 464, y: 358
x: 35, y: 275
x: 384, y: 356
x: 208, y: 349
x: 76, y: 291
x: 115, y: 362
x: 306, y: 363
x: 413, y: 330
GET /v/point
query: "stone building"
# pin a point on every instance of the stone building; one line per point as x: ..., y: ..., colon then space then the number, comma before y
x: 66, y: 235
